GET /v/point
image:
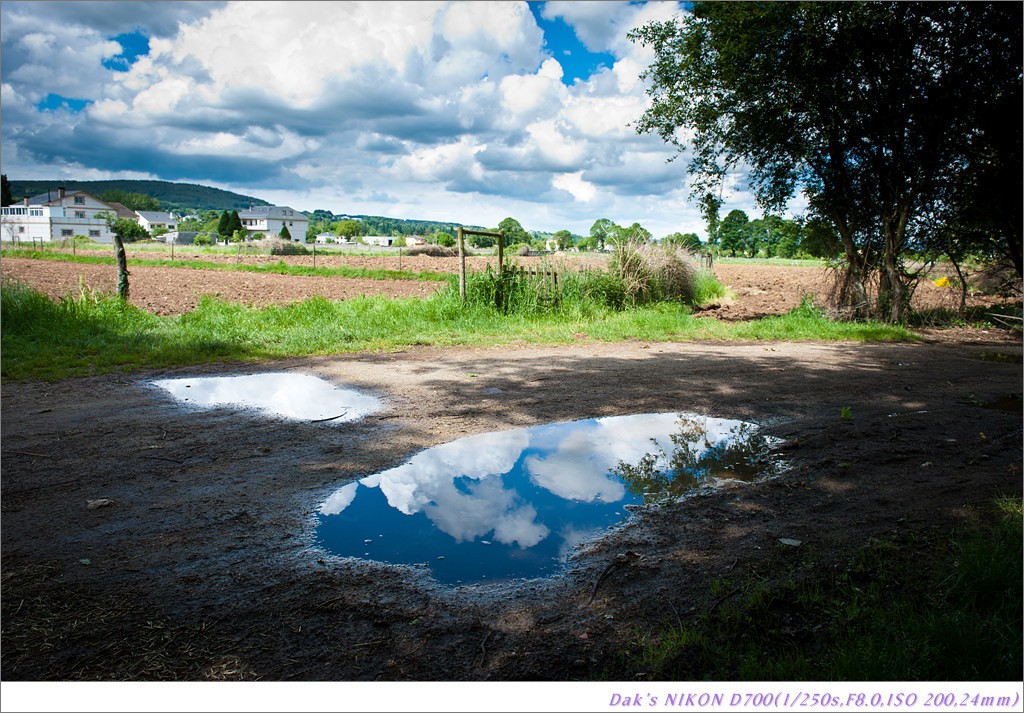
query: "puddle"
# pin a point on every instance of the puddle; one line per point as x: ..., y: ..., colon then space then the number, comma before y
x: 300, y: 397
x: 515, y: 504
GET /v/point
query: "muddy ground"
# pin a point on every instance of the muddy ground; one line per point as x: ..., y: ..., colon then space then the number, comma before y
x: 204, y: 566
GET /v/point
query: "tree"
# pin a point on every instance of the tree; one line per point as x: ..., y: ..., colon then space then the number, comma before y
x: 285, y: 233
x: 818, y: 238
x: 601, y: 230
x: 563, y: 238
x: 445, y: 240
x: 235, y: 223
x: 224, y: 225
x: 875, y: 110
x: 734, y: 232
x: 514, y: 232
x: 135, y: 201
x: 686, y: 241
x: 6, y: 198
x: 347, y: 228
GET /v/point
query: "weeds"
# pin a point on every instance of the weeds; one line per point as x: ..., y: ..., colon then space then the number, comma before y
x: 957, y: 617
x: 91, y: 333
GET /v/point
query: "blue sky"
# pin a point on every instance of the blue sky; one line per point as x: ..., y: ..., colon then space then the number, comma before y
x: 462, y: 111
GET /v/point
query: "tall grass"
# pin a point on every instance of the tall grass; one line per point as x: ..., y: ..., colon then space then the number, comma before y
x: 652, y: 272
x: 639, y: 274
x: 90, y: 333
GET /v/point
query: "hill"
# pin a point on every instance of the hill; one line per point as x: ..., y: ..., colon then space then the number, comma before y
x: 188, y: 198
x: 383, y: 225
x: 177, y: 197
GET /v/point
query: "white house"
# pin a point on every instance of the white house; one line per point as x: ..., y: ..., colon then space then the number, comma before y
x: 56, y: 215
x: 382, y: 240
x: 270, y: 219
x: 150, y: 219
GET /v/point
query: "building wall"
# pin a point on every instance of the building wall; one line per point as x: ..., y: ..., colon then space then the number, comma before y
x: 65, y: 217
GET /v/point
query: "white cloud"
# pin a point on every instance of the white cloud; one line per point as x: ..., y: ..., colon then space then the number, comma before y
x: 437, y: 110
x: 574, y: 184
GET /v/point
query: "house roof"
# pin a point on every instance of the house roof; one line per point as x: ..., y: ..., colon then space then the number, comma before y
x: 278, y: 212
x: 123, y: 211
x: 51, y: 197
x: 154, y: 216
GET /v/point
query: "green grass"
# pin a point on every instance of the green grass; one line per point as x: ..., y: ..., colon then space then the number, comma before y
x: 916, y: 608
x: 90, y: 334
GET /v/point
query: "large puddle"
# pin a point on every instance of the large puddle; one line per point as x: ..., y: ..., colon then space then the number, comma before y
x: 300, y: 397
x: 515, y: 504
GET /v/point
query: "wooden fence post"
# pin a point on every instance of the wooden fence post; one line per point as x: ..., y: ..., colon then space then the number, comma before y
x: 462, y: 265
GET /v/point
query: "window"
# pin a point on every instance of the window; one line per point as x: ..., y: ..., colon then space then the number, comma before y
x: 79, y: 200
x: 21, y: 228
x: 94, y: 233
x: 66, y: 232
x: 35, y: 211
x: 79, y: 213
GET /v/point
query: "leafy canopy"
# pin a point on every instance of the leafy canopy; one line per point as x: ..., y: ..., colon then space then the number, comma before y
x: 882, y: 113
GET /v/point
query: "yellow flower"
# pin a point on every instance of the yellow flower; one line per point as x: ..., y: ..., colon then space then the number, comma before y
x: 942, y: 282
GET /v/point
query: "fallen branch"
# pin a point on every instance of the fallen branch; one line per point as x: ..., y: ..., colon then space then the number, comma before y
x: 321, y: 420
x: 29, y: 453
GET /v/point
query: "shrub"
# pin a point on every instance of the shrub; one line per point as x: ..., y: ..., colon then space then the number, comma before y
x: 432, y: 251
x: 277, y: 246
x: 654, y: 273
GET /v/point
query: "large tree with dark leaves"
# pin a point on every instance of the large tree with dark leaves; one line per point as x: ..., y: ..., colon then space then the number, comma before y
x: 885, y: 114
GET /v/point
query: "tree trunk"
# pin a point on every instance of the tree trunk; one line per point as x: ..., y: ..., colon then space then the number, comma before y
x: 893, y: 295
x: 122, y: 268
x: 851, y: 291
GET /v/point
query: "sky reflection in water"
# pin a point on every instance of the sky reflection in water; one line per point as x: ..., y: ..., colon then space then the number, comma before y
x: 515, y: 504
x: 300, y: 397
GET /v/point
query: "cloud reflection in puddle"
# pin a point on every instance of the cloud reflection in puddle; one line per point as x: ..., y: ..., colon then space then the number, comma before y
x: 515, y: 504
x: 300, y: 397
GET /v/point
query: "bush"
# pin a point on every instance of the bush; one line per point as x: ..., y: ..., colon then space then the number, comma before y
x: 277, y: 246
x: 432, y: 251
x: 203, y: 239
x: 654, y: 273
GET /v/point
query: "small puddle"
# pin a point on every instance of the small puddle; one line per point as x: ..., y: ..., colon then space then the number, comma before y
x: 300, y: 397
x: 515, y: 504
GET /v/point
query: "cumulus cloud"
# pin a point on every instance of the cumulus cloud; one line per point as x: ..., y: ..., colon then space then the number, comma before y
x: 438, y: 110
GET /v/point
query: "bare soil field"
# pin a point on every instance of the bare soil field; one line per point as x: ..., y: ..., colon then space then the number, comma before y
x: 756, y: 290
x: 203, y: 566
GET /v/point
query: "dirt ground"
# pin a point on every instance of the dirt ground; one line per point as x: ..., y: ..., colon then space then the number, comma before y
x: 204, y: 567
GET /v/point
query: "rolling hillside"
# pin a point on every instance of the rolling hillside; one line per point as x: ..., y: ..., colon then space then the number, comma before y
x: 178, y: 197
